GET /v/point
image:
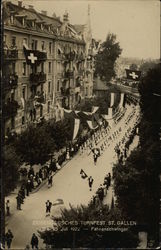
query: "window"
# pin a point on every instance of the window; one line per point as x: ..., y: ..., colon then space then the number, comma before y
x: 42, y: 45
x: 13, y: 65
x: 41, y: 111
x: 48, y: 107
x: 24, y: 69
x: 34, y: 45
x: 23, y: 120
x: 49, y: 86
x: 42, y: 67
x: 42, y: 87
x: 25, y: 41
x: 4, y: 38
x: 58, y: 85
x: 42, y: 26
x: 86, y: 91
x: 12, y: 19
x: 13, y: 41
x: 23, y: 21
x: 24, y: 92
x: 12, y: 96
x: 12, y: 122
x: 49, y: 67
x: 50, y: 47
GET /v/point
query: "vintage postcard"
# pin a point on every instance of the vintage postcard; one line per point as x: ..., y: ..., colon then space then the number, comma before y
x: 80, y: 121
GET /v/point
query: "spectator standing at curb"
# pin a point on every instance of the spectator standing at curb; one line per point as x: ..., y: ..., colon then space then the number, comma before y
x: 8, y: 207
x: 34, y: 241
x: 48, y: 207
x: 90, y: 182
x: 8, y: 238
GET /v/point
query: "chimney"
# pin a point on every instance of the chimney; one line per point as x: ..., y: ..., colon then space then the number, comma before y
x: 65, y: 17
x: 19, y: 3
x: 31, y: 7
x: 44, y: 12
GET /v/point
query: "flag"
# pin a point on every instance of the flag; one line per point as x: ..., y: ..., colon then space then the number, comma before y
x: 112, y: 99
x: 76, y: 127
x: 121, y: 100
x: 34, y: 57
x: 133, y: 74
x: 83, y: 174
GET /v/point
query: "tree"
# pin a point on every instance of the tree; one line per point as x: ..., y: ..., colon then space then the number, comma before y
x: 137, y: 182
x: 146, y: 66
x: 84, y: 235
x: 150, y: 95
x: 133, y: 66
x: 108, y: 52
x: 11, y: 163
x: 60, y: 132
x: 34, y: 145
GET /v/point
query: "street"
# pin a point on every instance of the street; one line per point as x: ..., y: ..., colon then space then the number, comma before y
x: 68, y: 186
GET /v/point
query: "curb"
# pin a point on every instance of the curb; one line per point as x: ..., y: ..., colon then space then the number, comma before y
x: 45, y: 181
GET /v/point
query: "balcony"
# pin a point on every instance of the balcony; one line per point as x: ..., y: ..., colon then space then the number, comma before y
x: 77, y: 90
x: 69, y: 74
x: 10, y: 109
x: 39, y: 98
x: 37, y: 78
x: 65, y: 91
x: 10, y: 54
x: 10, y: 81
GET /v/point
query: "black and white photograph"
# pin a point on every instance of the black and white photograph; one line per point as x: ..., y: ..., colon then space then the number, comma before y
x: 80, y: 124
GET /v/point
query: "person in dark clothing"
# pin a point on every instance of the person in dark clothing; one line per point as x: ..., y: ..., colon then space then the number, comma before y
x: 34, y: 241
x: 20, y: 196
x: 90, y: 182
x: 18, y: 202
x: 8, y: 238
x: 8, y: 207
x: 28, y: 187
x: 31, y: 172
x: 50, y: 181
x: 100, y: 194
x: 48, y: 207
x: 109, y: 178
x: 95, y: 158
x: 40, y: 173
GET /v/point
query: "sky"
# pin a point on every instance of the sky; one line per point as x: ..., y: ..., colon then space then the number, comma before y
x: 135, y: 23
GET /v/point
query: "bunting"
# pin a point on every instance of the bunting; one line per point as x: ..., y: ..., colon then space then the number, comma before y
x: 76, y: 127
x: 112, y: 99
x: 91, y: 125
x: 121, y: 100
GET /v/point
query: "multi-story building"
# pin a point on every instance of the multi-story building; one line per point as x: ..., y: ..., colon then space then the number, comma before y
x: 86, y: 32
x: 44, y: 66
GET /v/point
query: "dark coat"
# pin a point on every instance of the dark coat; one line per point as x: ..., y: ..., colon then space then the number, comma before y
x: 34, y: 240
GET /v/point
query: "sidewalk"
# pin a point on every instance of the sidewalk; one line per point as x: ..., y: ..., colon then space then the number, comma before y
x: 13, y: 195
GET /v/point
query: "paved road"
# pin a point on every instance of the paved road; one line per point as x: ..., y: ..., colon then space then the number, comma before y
x: 68, y: 186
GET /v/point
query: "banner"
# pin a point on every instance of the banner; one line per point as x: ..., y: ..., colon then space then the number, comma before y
x: 109, y: 113
x: 112, y: 99
x: 95, y: 108
x: 121, y: 100
x: 91, y: 125
x: 34, y: 57
x: 76, y: 127
x: 133, y: 74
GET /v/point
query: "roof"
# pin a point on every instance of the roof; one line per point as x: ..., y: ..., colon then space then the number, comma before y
x: 99, y: 85
x: 79, y: 27
x: 31, y: 14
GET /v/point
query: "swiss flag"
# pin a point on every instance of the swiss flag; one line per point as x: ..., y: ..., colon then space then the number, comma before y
x: 133, y: 74
x: 34, y: 57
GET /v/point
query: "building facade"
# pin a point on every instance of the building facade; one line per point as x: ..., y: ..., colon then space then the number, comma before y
x: 45, y: 64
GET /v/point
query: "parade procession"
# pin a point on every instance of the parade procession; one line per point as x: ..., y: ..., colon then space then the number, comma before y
x: 80, y: 125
